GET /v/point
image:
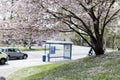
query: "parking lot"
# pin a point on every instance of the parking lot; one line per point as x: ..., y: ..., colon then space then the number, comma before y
x: 13, y: 65
x: 35, y: 58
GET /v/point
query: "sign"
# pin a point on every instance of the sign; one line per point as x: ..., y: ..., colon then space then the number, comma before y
x: 67, y: 50
x: 52, y: 50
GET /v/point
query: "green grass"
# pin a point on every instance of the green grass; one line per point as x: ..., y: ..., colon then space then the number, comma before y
x: 33, y: 49
x: 28, y: 72
x: 104, y: 67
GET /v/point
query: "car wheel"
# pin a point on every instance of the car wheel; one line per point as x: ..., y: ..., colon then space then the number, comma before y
x: 24, y: 56
x: 2, y: 61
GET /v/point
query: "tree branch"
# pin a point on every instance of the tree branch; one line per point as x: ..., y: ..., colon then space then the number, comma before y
x: 106, y: 16
x: 112, y: 17
x: 79, y: 34
x: 90, y: 10
x: 76, y: 17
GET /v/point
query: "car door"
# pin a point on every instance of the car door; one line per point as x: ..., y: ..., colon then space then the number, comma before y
x: 17, y: 53
x: 10, y: 52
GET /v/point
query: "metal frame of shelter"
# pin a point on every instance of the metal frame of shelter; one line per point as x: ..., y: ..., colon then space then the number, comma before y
x: 67, y: 49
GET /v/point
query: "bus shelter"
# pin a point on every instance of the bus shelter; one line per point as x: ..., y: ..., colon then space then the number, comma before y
x: 57, y: 49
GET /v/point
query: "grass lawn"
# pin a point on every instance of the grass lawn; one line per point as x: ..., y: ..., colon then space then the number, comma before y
x: 104, y: 67
x: 33, y: 49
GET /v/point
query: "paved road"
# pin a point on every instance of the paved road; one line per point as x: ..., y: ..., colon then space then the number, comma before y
x: 35, y: 58
x: 13, y: 65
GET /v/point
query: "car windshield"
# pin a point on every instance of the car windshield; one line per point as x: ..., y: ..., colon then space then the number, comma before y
x: 13, y: 50
x: 16, y: 50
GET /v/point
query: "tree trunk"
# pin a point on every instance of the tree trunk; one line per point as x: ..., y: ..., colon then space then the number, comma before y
x: 30, y: 47
x: 98, y: 47
x: 99, y: 50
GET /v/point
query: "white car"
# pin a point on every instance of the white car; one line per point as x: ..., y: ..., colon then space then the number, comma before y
x: 3, y: 58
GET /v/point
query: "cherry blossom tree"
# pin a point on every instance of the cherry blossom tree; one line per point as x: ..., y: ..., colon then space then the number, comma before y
x: 85, y: 17
x: 27, y: 21
x: 30, y: 18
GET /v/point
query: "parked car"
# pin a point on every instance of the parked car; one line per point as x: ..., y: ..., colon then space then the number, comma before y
x: 14, y: 53
x: 3, y: 58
